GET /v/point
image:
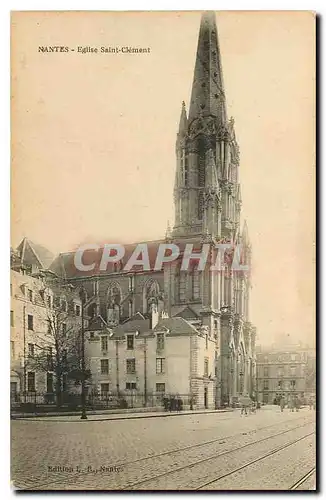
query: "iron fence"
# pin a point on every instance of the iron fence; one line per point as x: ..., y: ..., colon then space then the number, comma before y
x: 32, y: 401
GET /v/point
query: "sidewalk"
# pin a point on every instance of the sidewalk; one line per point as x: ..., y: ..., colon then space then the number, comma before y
x: 109, y: 415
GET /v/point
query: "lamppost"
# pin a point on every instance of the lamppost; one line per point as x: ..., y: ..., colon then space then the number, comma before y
x: 83, y: 391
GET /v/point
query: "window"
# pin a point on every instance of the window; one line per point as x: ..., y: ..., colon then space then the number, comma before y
x: 130, y: 341
x: 104, y: 343
x: 64, y: 329
x: 49, y: 301
x: 184, y: 167
x: 104, y: 366
x: 77, y: 310
x: 266, y: 369
x: 130, y: 386
x: 49, y: 382
x: 200, y: 205
x: 31, y: 382
x: 215, y: 324
x: 31, y: 350
x: 206, y: 341
x: 30, y: 295
x: 160, y: 341
x: 292, y: 384
x: 12, y: 349
x: 206, y: 367
x: 30, y: 322
x: 130, y: 309
x: 292, y: 370
x: 160, y: 388
x: 49, y: 326
x: 160, y: 365
x: 105, y: 388
x: 131, y: 284
x: 265, y: 384
x: 280, y: 384
x: 12, y: 322
x: 131, y: 365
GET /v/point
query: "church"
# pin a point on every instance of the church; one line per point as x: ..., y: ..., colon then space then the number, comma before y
x: 192, y: 326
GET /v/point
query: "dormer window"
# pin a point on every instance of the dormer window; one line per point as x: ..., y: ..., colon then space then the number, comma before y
x: 160, y: 341
x: 30, y: 295
x: 130, y: 342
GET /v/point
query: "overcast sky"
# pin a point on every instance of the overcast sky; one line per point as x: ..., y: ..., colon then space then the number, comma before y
x: 93, y: 138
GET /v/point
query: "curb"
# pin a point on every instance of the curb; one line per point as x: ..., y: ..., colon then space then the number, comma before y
x: 112, y: 417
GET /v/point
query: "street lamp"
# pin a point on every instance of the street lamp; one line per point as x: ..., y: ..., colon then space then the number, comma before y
x: 82, y: 295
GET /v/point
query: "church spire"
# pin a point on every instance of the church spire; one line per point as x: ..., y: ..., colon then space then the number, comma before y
x: 207, y: 96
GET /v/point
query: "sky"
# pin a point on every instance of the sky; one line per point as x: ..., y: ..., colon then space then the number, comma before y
x: 93, y: 139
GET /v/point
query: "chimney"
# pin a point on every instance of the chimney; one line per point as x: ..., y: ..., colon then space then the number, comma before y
x: 154, y: 316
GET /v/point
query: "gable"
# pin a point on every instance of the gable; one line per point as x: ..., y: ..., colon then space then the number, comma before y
x: 187, y: 313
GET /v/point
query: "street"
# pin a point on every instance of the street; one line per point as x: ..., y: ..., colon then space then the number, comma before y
x: 269, y: 450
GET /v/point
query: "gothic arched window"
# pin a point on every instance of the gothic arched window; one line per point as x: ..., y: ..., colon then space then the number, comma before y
x: 184, y: 168
x: 151, y: 292
x: 201, y: 165
x: 200, y: 205
x: 193, y: 283
x: 114, y: 297
x: 180, y: 285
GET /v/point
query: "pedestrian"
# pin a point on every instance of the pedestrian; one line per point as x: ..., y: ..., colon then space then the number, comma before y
x: 297, y: 404
x: 282, y: 404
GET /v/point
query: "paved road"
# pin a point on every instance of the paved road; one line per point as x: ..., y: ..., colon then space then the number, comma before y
x: 226, y: 451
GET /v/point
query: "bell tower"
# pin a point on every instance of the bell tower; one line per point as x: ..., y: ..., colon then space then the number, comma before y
x: 205, y: 190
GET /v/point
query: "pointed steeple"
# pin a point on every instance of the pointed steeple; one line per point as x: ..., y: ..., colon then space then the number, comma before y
x: 207, y: 96
x: 168, y: 232
x: 245, y: 234
x: 183, y: 124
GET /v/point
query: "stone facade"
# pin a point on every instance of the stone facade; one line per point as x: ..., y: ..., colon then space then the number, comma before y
x: 38, y: 302
x: 287, y: 370
x: 142, y: 357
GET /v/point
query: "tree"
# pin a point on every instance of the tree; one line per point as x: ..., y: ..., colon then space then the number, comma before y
x: 58, y: 344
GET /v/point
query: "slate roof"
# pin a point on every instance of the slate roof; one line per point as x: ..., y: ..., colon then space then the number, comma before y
x: 187, y: 313
x: 64, y: 264
x: 137, y: 325
x: 176, y: 326
x: 97, y: 324
x: 32, y: 253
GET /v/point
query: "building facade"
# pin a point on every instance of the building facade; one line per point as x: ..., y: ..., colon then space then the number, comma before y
x: 45, y: 319
x: 146, y: 357
x: 286, y: 370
